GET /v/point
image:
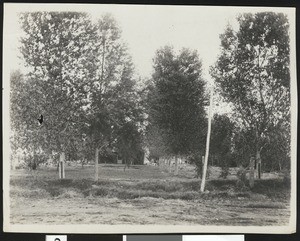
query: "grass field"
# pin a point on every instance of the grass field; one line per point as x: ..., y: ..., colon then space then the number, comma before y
x: 144, y: 195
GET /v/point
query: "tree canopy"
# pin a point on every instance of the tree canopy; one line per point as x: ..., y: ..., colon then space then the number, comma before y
x: 177, y: 100
x: 252, y: 73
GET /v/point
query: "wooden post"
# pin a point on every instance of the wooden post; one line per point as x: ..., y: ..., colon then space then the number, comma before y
x: 251, y: 173
x: 96, y: 164
x: 207, y: 143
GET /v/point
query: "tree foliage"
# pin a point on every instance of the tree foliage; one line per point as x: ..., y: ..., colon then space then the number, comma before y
x: 58, y: 48
x: 252, y: 73
x: 221, y: 139
x: 177, y: 101
x: 114, y: 101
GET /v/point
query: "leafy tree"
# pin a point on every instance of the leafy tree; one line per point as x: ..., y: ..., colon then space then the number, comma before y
x: 252, y: 73
x: 276, y: 154
x: 154, y: 136
x: 59, y: 51
x: 114, y: 101
x: 177, y: 105
x: 25, y: 131
x: 221, y: 139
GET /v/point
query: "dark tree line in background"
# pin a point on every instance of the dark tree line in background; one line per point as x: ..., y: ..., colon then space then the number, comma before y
x: 81, y: 78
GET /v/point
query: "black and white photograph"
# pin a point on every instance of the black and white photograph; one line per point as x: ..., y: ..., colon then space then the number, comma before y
x: 149, y: 119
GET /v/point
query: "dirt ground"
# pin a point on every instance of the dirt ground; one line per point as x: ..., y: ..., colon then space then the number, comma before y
x: 143, y: 211
x: 31, y: 202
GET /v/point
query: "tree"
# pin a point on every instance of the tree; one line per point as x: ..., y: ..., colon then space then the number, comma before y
x: 252, y: 73
x: 59, y: 51
x: 114, y: 100
x: 177, y: 102
x: 276, y: 154
x: 154, y: 136
x: 221, y: 140
x: 25, y: 131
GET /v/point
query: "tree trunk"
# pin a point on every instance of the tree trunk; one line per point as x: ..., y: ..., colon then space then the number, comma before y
x: 82, y: 162
x: 96, y: 164
x: 61, y: 165
x: 160, y: 162
x: 125, y: 164
x: 258, y: 164
x: 251, y: 173
x: 176, y: 166
x: 280, y: 166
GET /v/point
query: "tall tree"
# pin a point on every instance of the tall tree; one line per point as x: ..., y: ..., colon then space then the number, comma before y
x: 59, y: 51
x: 177, y: 106
x: 252, y: 73
x: 114, y: 100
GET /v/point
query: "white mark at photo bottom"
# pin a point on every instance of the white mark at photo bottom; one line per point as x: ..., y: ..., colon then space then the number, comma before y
x: 56, y: 237
x: 213, y: 238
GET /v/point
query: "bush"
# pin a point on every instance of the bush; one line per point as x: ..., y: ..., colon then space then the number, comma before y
x: 242, y: 179
x: 241, y: 174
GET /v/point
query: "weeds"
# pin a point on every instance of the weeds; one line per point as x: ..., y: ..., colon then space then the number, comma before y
x: 183, y: 189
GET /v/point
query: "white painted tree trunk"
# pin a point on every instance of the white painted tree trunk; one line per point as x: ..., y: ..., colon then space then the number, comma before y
x: 207, y: 143
x: 61, y: 166
x: 96, y: 164
x: 169, y: 165
x: 251, y: 173
x: 258, y: 164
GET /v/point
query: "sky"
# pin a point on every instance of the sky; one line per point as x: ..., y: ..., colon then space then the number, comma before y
x: 145, y: 28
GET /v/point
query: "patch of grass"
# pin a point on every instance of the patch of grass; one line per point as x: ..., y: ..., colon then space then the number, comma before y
x: 160, y: 186
x: 273, y: 188
x: 266, y: 205
x: 127, y: 188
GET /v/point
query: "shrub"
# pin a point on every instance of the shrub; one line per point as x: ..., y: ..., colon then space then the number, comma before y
x: 241, y: 174
x: 242, y: 179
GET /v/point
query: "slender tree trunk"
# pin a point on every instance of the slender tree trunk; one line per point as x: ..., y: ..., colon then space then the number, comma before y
x: 125, y: 164
x: 280, y: 166
x: 202, y: 187
x: 169, y: 167
x: 61, y: 166
x: 82, y: 163
x: 176, y: 165
x: 258, y: 164
x: 160, y: 162
x: 251, y: 173
x: 96, y: 164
